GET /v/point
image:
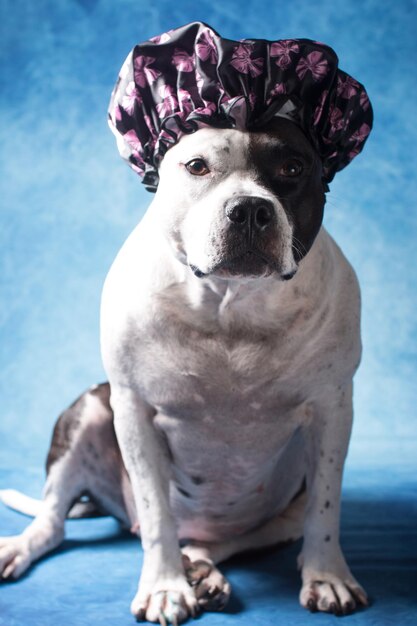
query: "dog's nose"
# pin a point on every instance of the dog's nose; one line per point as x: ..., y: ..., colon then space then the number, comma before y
x: 250, y: 211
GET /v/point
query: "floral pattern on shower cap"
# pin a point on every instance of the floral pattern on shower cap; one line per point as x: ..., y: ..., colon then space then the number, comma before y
x: 191, y: 77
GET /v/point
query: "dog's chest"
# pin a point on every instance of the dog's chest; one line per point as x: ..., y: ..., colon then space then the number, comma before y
x: 197, y: 372
x: 229, y: 415
x: 239, y: 387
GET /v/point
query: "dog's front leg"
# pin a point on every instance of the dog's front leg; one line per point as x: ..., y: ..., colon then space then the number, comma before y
x: 163, y: 594
x: 328, y: 584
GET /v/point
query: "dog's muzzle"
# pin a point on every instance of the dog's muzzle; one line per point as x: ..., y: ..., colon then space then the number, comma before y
x: 250, y: 240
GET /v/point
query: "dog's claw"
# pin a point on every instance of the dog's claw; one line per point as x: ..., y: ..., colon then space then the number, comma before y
x: 165, y: 606
x: 348, y: 608
x: 332, y: 595
x: 141, y: 615
x: 195, y: 610
x: 360, y: 595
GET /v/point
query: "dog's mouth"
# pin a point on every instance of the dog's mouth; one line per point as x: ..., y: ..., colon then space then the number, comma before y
x: 250, y: 263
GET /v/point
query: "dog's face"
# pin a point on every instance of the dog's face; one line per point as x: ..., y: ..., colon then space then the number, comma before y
x: 241, y: 204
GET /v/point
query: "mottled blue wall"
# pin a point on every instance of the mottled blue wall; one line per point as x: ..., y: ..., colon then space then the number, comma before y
x: 68, y: 201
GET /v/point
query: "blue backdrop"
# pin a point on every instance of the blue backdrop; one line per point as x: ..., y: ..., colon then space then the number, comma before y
x: 68, y: 202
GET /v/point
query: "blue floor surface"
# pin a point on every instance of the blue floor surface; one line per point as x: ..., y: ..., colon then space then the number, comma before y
x: 92, y: 577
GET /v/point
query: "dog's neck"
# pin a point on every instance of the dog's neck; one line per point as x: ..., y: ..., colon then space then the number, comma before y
x: 233, y: 301
x: 256, y: 300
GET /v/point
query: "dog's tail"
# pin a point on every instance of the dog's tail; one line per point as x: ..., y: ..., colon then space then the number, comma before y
x: 31, y: 506
x: 21, y: 503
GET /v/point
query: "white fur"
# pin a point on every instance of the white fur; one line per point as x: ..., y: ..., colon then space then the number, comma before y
x: 227, y: 393
x: 170, y: 339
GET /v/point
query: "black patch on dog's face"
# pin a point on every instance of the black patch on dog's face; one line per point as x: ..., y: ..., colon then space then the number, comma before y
x: 302, y: 196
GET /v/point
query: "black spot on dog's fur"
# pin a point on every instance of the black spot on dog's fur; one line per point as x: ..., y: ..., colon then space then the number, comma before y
x: 183, y: 492
x: 65, y: 428
x: 197, y: 480
x: 69, y: 423
x: 92, y: 451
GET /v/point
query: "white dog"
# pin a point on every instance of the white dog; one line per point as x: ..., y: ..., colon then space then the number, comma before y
x: 231, y: 385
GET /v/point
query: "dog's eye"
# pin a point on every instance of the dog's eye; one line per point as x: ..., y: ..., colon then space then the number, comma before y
x: 197, y: 167
x: 291, y: 168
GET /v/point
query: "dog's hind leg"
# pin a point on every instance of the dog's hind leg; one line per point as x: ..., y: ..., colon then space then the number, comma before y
x: 46, y: 531
x: 83, y: 460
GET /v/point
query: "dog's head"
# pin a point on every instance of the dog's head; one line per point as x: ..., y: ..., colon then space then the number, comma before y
x: 240, y: 204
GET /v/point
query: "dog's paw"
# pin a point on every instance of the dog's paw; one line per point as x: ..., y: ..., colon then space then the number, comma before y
x: 169, y: 602
x: 211, y: 588
x: 14, y: 557
x: 333, y: 595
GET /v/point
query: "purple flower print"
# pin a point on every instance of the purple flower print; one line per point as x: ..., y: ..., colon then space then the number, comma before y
x: 361, y: 134
x: 278, y: 89
x: 364, y: 101
x: 139, y: 170
x: 314, y: 63
x: 170, y: 102
x: 327, y: 141
x: 242, y: 61
x: 282, y: 50
x: 182, y: 61
x: 337, y: 121
x: 185, y: 101
x: 209, y: 109
x: 143, y: 73
x: 354, y: 152
x: 199, y: 80
x: 132, y: 139
x: 252, y: 100
x: 206, y: 48
x: 320, y: 106
x: 347, y: 88
x: 130, y: 97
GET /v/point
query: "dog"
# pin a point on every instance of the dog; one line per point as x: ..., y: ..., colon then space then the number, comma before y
x: 230, y: 335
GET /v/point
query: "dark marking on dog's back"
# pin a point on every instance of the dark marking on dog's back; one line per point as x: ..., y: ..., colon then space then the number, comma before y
x: 65, y: 428
x: 69, y: 423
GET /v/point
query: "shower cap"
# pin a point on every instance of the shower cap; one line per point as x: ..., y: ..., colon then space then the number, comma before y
x: 190, y: 77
